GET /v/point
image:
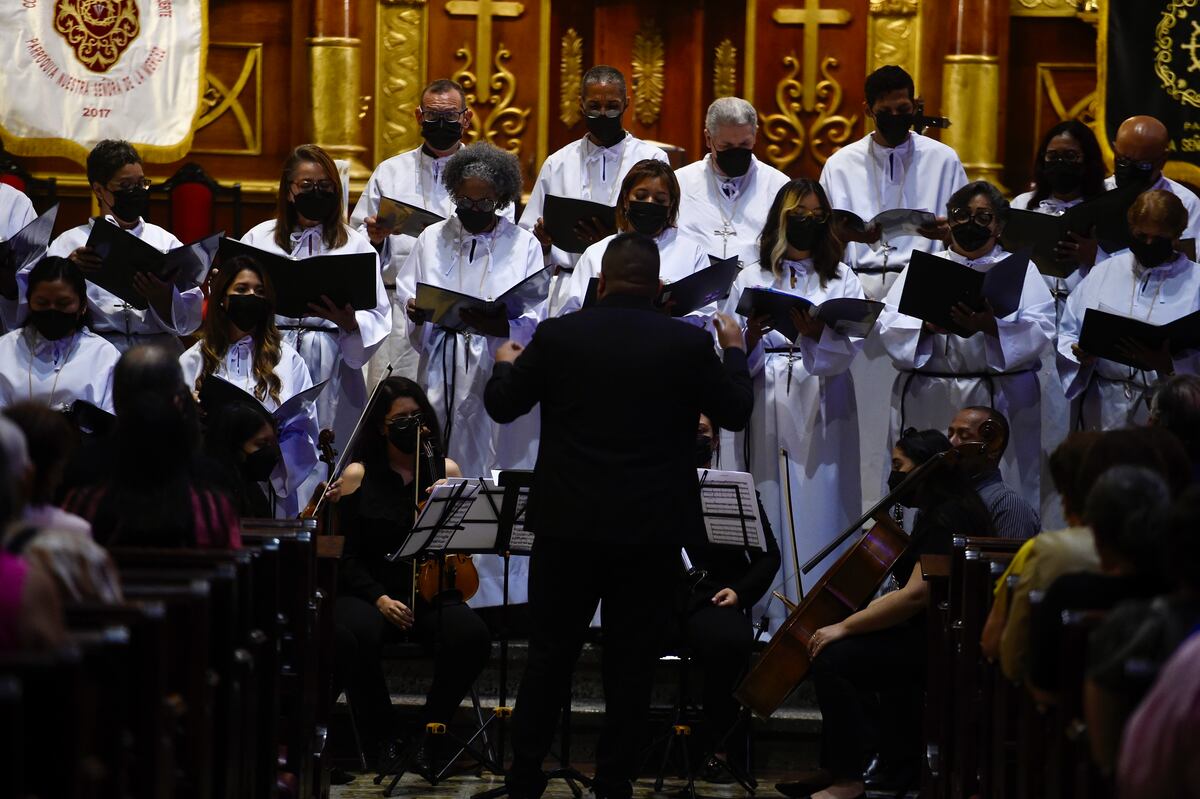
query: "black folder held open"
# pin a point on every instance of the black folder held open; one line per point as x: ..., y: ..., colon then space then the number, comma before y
x: 123, y: 255
x: 29, y: 243
x: 934, y: 285
x: 849, y: 316
x: 403, y: 218
x: 1104, y: 334
x: 560, y: 215
x: 346, y: 279
x: 445, y: 306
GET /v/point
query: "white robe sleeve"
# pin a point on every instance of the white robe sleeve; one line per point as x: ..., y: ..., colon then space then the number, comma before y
x: 903, y: 336
x: 191, y: 362
x: 1074, y: 375
x: 701, y: 316
x: 1024, y: 334
x: 406, y: 289
x: 575, y: 290
x: 374, y: 324
x: 521, y: 329
x: 833, y: 352
x: 297, y: 438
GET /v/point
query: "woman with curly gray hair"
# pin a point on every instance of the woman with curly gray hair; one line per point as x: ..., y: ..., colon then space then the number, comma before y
x: 481, y: 254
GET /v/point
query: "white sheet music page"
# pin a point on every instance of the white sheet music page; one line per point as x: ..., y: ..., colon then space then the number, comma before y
x: 520, y: 542
x: 445, y: 509
x: 730, y: 507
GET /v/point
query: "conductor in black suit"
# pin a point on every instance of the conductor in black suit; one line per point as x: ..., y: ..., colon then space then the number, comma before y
x: 615, y: 495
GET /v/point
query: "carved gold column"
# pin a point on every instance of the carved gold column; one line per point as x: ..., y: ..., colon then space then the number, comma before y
x: 971, y: 85
x: 336, y: 101
x: 894, y: 36
x: 400, y: 74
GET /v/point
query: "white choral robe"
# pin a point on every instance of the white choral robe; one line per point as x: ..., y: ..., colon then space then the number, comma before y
x: 414, y: 177
x: 455, y: 367
x: 330, y: 353
x: 123, y: 325
x: 727, y: 226
x: 297, y: 435
x: 586, y: 171
x: 941, y: 373
x: 1112, y: 395
x: 679, y: 256
x: 75, y: 367
x: 16, y: 211
x: 804, y: 406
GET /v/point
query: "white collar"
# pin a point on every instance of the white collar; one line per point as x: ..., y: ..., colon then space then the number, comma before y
x: 1168, y: 269
x: 48, y: 349
x: 136, y: 230
x: 880, y: 151
x: 666, y: 236
x: 740, y: 181
x: 594, y: 152
x: 996, y: 254
x: 1052, y: 205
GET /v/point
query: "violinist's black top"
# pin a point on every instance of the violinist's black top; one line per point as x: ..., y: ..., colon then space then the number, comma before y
x: 375, y: 520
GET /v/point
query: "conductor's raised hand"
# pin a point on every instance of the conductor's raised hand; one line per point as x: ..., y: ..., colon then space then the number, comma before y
x: 395, y: 612
x: 342, y: 317
x: 86, y: 259
x: 508, y: 352
x: 728, y: 332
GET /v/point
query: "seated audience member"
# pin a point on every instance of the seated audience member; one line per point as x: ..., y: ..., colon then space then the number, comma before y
x: 242, y: 444
x: 31, y: 615
x: 1043, y: 559
x: 50, y: 442
x: 1127, y: 651
x: 1158, y: 749
x: 1176, y: 407
x: 151, y: 496
x: 1011, y: 515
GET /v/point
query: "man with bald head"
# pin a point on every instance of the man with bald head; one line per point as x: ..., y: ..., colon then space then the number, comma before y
x: 1139, y: 152
x: 615, y: 494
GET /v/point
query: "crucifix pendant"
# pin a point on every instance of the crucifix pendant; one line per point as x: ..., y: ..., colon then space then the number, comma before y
x: 725, y: 231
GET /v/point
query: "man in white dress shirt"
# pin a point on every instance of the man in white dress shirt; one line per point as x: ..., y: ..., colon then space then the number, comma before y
x: 413, y: 177
x: 728, y: 193
x: 590, y: 168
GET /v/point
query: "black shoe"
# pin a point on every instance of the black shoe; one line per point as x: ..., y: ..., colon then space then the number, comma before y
x: 339, y: 776
x: 808, y: 783
x: 715, y: 772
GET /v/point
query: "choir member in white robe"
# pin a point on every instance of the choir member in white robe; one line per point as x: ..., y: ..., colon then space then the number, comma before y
x: 941, y: 373
x: 115, y: 172
x: 413, y: 177
x: 1140, y: 150
x: 240, y: 343
x: 1151, y: 281
x: 54, y: 358
x: 803, y: 434
x: 16, y: 211
x: 591, y: 168
x: 479, y: 253
x: 335, y: 343
x: 727, y: 194
x: 649, y: 205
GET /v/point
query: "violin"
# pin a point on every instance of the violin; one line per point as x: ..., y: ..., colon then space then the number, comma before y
x: 849, y: 583
x: 442, y: 573
x: 328, y: 456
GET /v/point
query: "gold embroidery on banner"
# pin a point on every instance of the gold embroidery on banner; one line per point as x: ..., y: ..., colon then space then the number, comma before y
x: 724, y: 69
x: 648, y: 79
x: 400, y: 77
x: 786, y: 130
x: 570, y: 77
x: 1177, y: 86
x: 98, y: 30
x: 503, y: 123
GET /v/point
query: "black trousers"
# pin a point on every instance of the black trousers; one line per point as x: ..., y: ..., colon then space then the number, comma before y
x: 721, y: 640
x: 457, y: 637
x: 566, y: 580
x: 854, y: 673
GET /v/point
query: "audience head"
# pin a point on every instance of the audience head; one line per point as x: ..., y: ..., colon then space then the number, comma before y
x: 443, y: 115
x: 1122, y: 509
x: 949, y: 484
x: 482, y: 179
x: 242, y: 303
x: 310, y: 195
x: 1176, y: 407
x: 146, y: 370
x: 977, y: 213
x: 242, y: 436
x: 1139, y: 151
x: 401, y: 411
x: 50, y: 441
x: 1183, y: 542
x: 649, y: 199
x: 17, y: 471
x: 798, y: 225
x: 629, y: 266
x: 603, y: 99
x: 708, y: 443
x: 114, y: 170
x: 978, y: 424
x: 891, y: 103
x: 57, y: 293
x: 1157, y: 219
x: 1151, y: 447
x: 1066, y: 465
x: 1068, y: 164
x: 730, y: 130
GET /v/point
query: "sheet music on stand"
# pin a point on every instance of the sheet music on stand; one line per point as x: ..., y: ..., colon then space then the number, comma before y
x: 729, y: 504
x: 461, y: 516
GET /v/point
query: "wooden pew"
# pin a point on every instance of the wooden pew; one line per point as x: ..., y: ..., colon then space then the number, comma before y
x: 935, y: 570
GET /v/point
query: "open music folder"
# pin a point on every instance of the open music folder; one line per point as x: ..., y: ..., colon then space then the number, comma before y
x: 345, y: 278
x: 560, y: 215
x: 933, y: 285
x: 123, y: 255
x: 445, y: 306
x: 849, y: 316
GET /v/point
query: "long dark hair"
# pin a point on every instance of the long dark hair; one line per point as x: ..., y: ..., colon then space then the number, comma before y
x: 53, y: 268
x: 333, y: 232
x: 214, y: 343
x: 951, y: 486
x: 1093, y: 161
x: 226, y: 431
x: 826, y: 251
x: 372, y: 446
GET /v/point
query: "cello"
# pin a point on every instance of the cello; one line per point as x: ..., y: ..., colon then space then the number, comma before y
x: 849, y: 583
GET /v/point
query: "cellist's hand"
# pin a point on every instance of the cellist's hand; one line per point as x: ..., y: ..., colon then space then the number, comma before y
x: 824, y: 637
x: 395, y: 612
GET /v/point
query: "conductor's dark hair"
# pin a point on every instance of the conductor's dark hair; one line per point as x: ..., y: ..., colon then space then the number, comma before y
x: 53, y: 268
x: 147, y: 369
x: 601, y: 73
x: 107, y: 158
x: 888, y: 79
x: 631, y: 261
x: 488, y: 163
x: 962, y: 198
x: 995, y: 417
x: 1065, y: 465
x: 1093, y: 161
x: 371, y: 446
x: 445, y: 86
x: 1124, y: 510
x: 1176, y: 407
x: 949, y: 485
x: 50, y: 439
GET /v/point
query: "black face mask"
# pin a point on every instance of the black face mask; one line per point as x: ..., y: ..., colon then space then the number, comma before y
x: 54, y: 324
x: 802, y: 234
x: 129, y: 205
x: 894, y: 128
x: 895, y: 478
x: 1063, y: 177
x: 606, y: 130
x: 260, y: 463
x: 402, y: 433
x: 474, y: 221
x: 735, y: 161
x: 647, y: 218
x: 704, y: 450
x: 970, y: 236
x: 441, y: 135
x: 1152, y: 254
x: 246, y: 311
x: 316, y: 205
x: 1128, y: 174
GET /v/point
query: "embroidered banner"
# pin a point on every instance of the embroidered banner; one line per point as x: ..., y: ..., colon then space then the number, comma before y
x: 79, y: 71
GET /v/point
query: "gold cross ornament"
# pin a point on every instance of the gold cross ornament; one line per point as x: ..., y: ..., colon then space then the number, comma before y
x: 484, y: 11
x: 812, y: 16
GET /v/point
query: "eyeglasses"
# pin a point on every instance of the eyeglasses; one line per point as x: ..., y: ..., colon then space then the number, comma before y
x: 486, y: 205
x: 1128, y: 163
x: 1063, y: 157
x: 406, y: 421
x: 595, y: 112
x: 309, y: 185
x: 980, y: 217
x: 820, y: 216
x: 435, y: 115
x: 126, y: 185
